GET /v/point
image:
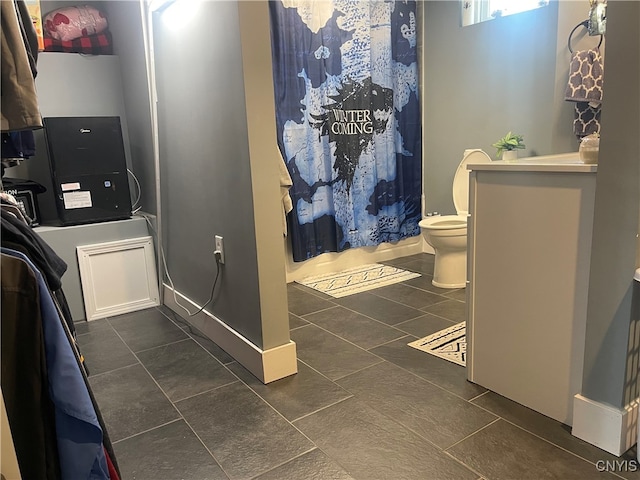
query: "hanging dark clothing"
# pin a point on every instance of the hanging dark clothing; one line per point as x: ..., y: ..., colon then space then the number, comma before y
x: 58, y: 294
x: 18, y: 145
x: 17, y: 235
x: 113, y: 473
x: 22, y: 239
x: 78, y: 432
x: 40, y: 253
x: 29, y: 35
x: 24, y: 375
x: 19, y: 103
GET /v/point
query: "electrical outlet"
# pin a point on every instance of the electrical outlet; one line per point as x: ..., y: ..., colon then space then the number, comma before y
x: 220, y: 247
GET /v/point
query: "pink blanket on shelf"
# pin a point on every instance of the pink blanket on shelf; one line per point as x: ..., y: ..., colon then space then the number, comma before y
x: 68, y: 23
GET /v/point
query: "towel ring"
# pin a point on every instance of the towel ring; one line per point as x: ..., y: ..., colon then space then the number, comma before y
x: 584, y: 24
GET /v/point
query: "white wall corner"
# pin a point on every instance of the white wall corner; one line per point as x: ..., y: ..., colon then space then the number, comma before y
x: 279, y: 362
x: 611, y: 429
x: 266, y: 365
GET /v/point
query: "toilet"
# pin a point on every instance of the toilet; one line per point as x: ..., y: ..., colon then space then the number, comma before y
x: 447, y: 234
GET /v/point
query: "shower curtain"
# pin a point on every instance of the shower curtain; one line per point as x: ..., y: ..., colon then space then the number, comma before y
x: 348, y: 120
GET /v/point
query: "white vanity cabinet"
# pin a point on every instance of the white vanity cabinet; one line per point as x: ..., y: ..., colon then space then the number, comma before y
x: 529, y: 242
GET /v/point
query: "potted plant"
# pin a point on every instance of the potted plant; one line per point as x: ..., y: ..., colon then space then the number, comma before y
x: 509, y: 143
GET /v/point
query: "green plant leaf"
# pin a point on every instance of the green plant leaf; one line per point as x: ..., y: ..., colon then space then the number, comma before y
x: 511, y: 141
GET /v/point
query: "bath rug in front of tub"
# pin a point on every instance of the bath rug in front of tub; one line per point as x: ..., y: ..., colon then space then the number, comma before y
x: 450, y: 344
x: 356, y: 280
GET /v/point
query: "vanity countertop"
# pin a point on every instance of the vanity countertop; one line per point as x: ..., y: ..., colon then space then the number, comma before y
x: 566, y: 162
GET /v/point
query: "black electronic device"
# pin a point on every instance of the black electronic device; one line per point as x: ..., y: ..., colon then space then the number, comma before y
x: 88, y: 169
x: 26, y: 194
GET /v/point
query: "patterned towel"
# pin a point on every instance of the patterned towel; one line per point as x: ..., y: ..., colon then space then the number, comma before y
x: 586, y: 120
x: 585, y: 78
x: 585, y: 89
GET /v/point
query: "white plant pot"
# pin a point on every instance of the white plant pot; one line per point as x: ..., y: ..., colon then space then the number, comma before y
x: 510, y: 155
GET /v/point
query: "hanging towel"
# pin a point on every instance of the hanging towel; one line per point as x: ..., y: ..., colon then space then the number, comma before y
x: 586, y: 119
x: 585, y: 78
x: 285, y: 184
x: 585, y: 88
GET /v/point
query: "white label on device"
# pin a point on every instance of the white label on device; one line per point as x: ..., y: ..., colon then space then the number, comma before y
x: 77, y: 200
x: 70, y: 186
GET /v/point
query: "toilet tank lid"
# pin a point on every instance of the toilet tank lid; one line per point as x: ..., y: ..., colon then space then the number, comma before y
x: 461, y: 179
x: 636, y: 277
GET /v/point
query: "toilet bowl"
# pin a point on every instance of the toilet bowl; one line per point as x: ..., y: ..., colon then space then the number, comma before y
x: 447, y: 234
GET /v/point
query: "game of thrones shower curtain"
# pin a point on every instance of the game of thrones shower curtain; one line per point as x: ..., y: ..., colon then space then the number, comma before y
x: 348, y: 120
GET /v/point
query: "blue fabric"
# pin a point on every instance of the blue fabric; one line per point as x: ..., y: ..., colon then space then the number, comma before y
x: 77, y: 429
x: 19, y: 144
x: 348, y: 121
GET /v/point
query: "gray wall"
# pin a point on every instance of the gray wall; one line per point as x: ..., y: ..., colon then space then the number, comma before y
x: 206, y: 163
x: 125, y: 25
x: 64, y: 78
x: 482, y: 81
x: 570, y: 14
x: 611, y: 370
x: 47, y: 6
x: 70, y: 84
x: 205, y: 166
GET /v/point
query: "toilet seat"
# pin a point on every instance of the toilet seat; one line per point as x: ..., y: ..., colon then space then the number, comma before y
x: 444, y: 222
x: 461, y: 179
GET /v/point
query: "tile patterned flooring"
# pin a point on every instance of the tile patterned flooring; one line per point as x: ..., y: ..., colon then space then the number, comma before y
x: 363, y: 405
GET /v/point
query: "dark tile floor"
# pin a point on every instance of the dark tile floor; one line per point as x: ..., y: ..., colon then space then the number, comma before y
x: 363, y: 405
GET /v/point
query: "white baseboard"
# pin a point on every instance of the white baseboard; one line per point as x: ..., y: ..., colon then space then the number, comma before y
x: 611, y: 429
x: 354, y: 257
x: 267, y: 365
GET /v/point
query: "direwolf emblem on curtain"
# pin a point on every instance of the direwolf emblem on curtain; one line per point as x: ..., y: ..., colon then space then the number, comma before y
x: 358, y: 111
x: 348, y: 121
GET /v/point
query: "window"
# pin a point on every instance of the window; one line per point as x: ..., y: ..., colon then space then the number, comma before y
x: 476, y: 11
